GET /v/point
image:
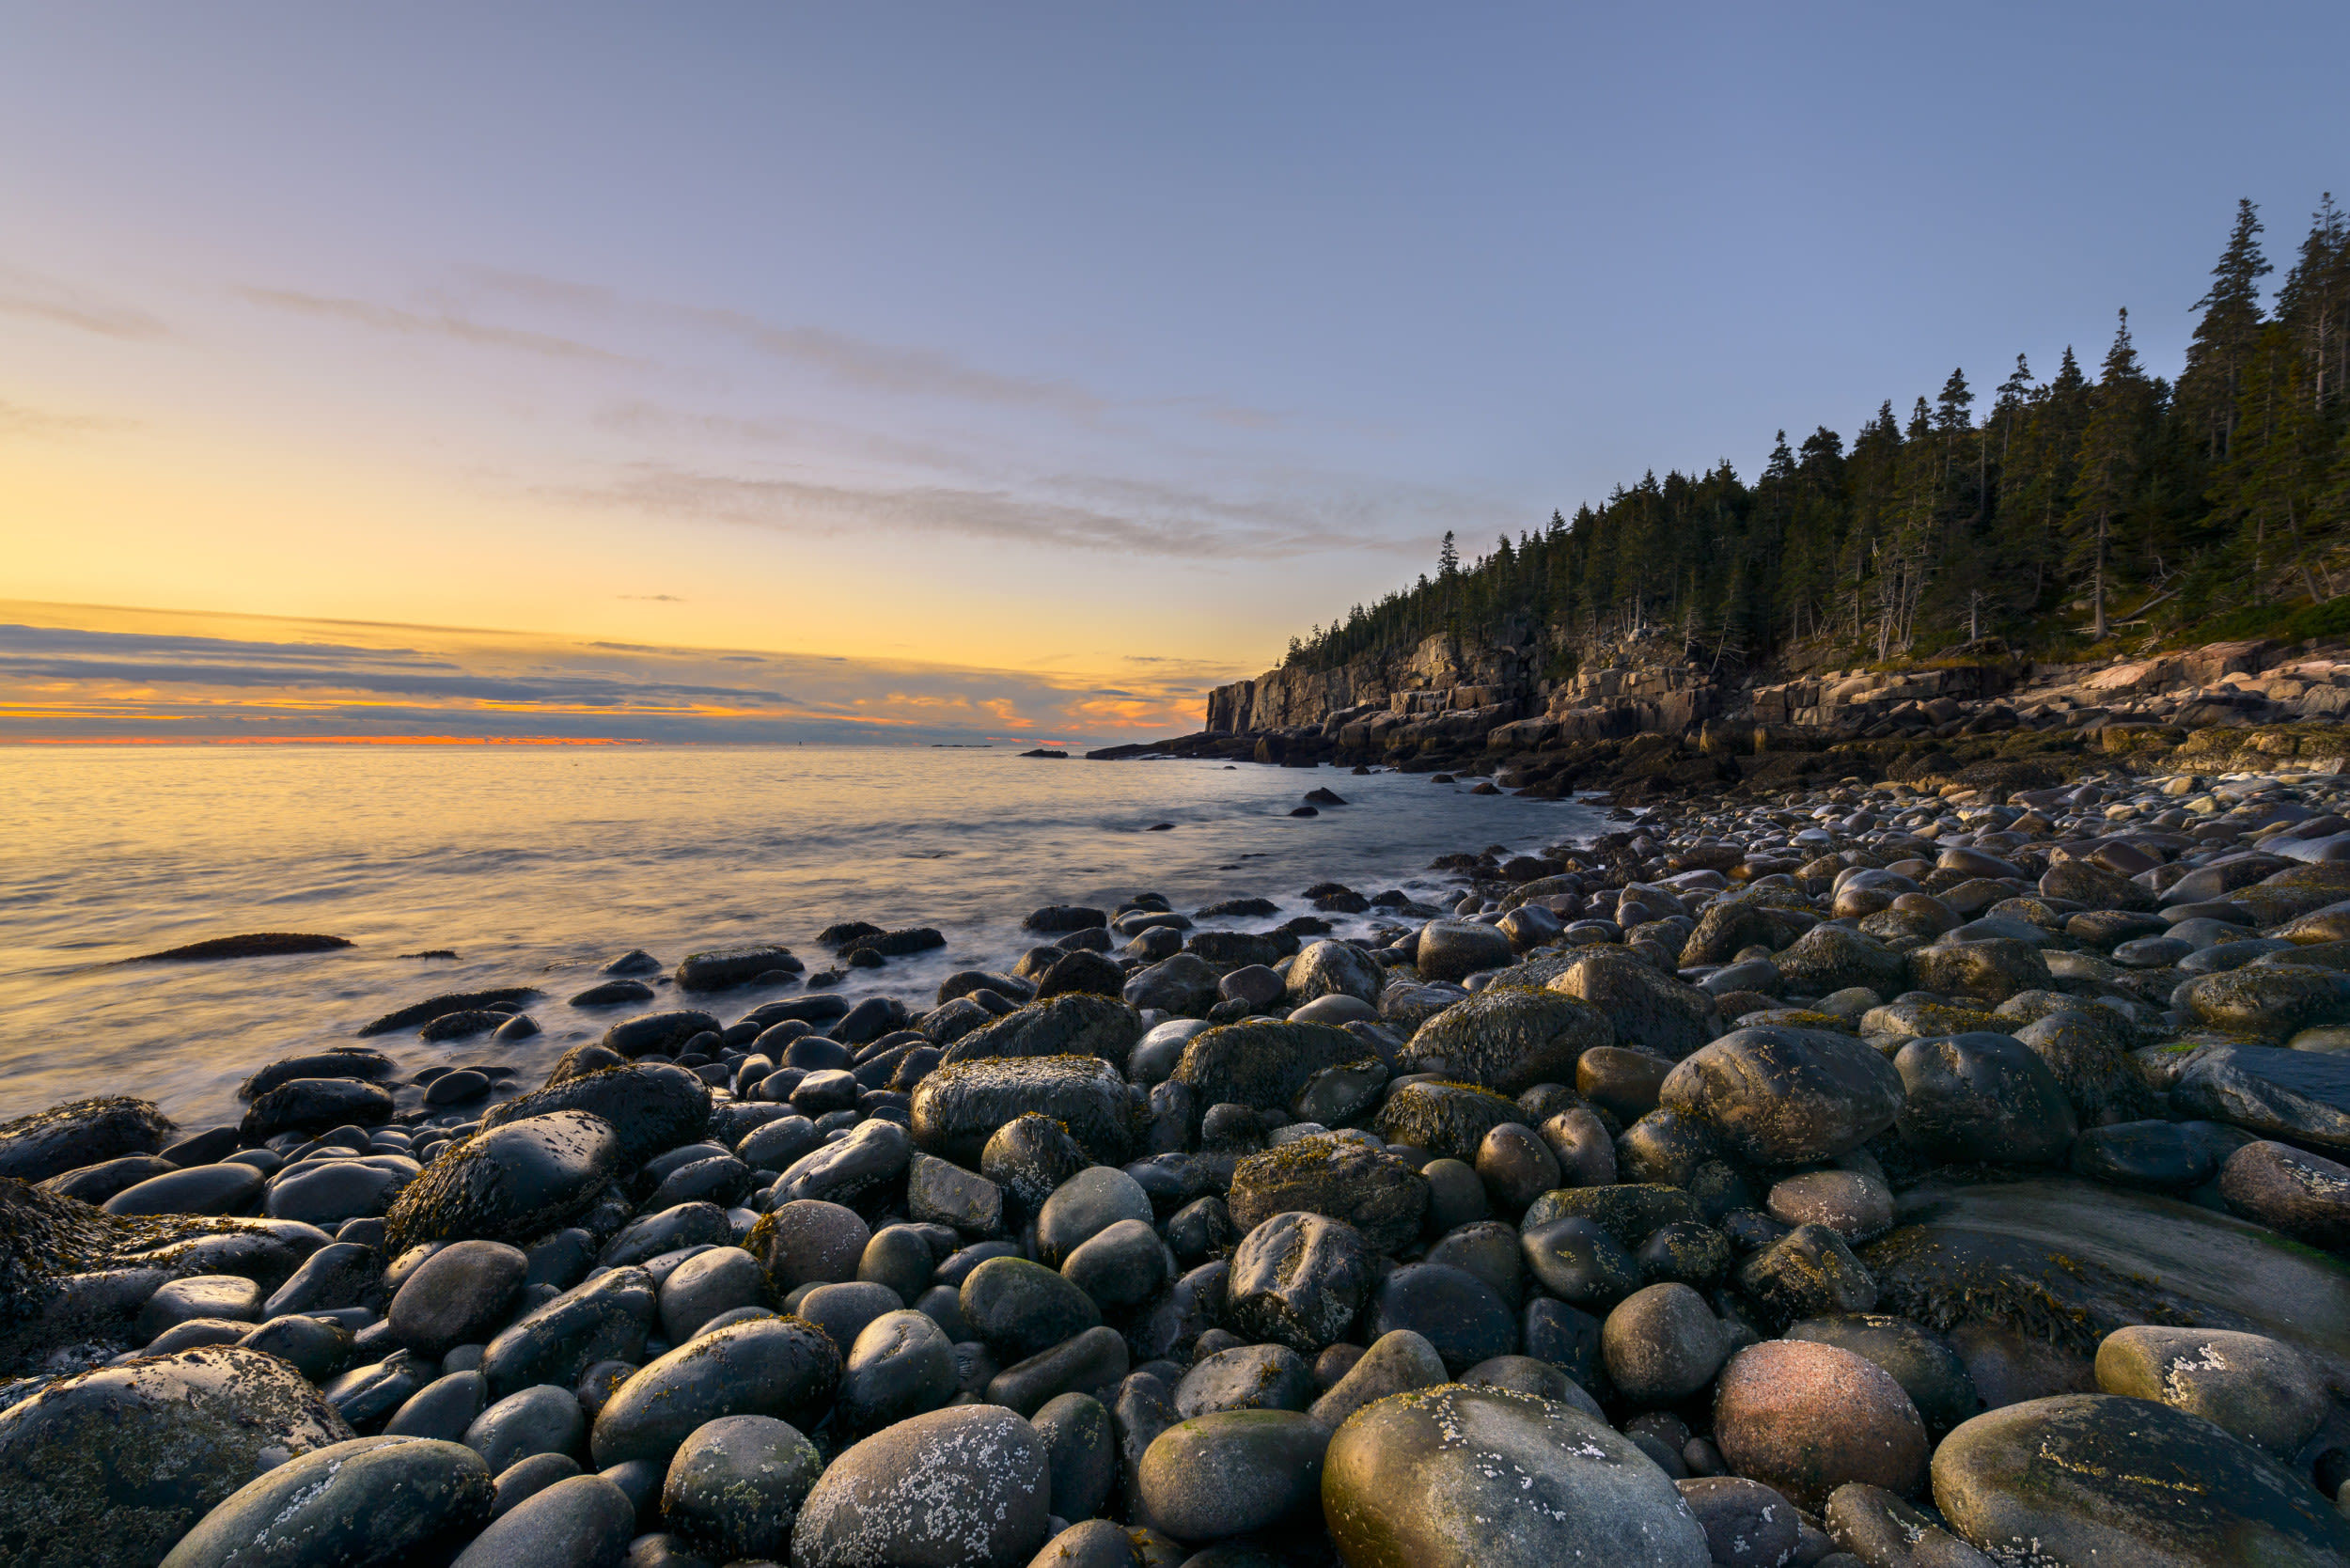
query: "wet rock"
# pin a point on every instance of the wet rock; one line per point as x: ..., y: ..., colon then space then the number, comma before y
x: 1232, y: 1473
x: 444, y: 1408
x: 1627, y: 1211
x: 2272, y: 1004
x: 779, y: 1367
x: 2063, y: 1263
x: 842, y: 1310
x: 1663, y: 1343
x: 1463, y: 1317
x: 1746, y: 1524
x: 1781, y: 1096
x: 1809, y: 1272
x: 2091, y: 1478
x: 808, y: 1242
x: 203, y: 1189
x: 2093, y: 1064
x: 1578, y: 1261
x: 1336, y: 968
x: 1852, y: 1203
x: 1259, y: 1062
x: 1096, y: 1358
x: 614, y: 993
x: 1081, y: 970
x: 510, y: 1183
x: 642, y: 1241
x: 650, y: 1108
x: 1374, y: 1193
x: 964, y: 1486
x: 2303, y: 1195
x: 1921, y: 1362
x: 957, y: 1108
x: 1805, y: 1418
x: 899, y: 1365
x: 346, y: 1062
x: 1829, y: 958
x: 455, y: 1002
x: 777, y: 1145
x: 2166, y: 1156
x: 1396, y: 1362
x: 202, y: 1295
x: 1077, y: 1024
x: 1871, y: 1525
x: 1685, y: 1253
x: 1018, y: 1308
x: 369, y: 1502
x: 735, y: 1486
x: 1445, y: 1119
x: 1983, y: 1097
x: 2301, y: 1096
x: 1643, y: 1008
x: 582, y: 1520
x: 368, y: 1396
x: 873, y: 1156
x: 314, y: 1103
x: 702, y: 1287
x: 1623, y: 1083
x: 606, y: 1319
x: 662, y: 1033
x: 2249, y: 1385
x: 541, y: 1420
x: 1178, y: 982
x: 1991, y: 969
x: 112, y: 1466
x: 1458, y: 1476
x: 1123, y: 1265
x: 1507, y: 1039
x: 1246, y: 1377
x: 1450, y: 950
x: 315, y: 1347
x: 462, y: 1295
x: 1083, y: 1207
x: 95, y: 1183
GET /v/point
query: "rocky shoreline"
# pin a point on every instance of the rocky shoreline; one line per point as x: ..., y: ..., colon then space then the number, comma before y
x: 1912, y: 1163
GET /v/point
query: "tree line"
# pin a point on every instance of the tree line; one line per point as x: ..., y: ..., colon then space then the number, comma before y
x: 2056, y: 513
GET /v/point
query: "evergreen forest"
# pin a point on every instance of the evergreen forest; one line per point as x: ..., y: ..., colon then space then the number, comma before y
x: 2093, y: 507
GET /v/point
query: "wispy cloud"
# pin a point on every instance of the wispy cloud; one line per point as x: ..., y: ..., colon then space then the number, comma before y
x: 447, y: 326
x: 17, y: 420
x: 61, y: 303
x: 60, y: 681
x: 651, y: 598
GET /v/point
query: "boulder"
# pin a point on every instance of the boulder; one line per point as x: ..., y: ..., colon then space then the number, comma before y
x: 1261, y: 1062
x: 780, y: 1366
x: 1983, y: 1097
x: 1298, y: 1280
x: 1806, y: 1417
x: 1445, y: 1119
x: 2095, y: 1478
x: 2300, y: 1096
x: 1075, y: 1024
x: 1373, y: 1192
x: 1340, y: 968
x: 965, y: 1487
x: 1830, y: 958
x: 1507, y: 1039
x: 1991, y: 969
x: 368, y: 1503
x: 2257, y: 1388
x: 1643, y: 1008
x: 1451, y: 950
x: 1783, y: 1096
x: 957, y: 1108
x: 109, y: 1468
x: 512, y: 1183
x: 1478, y: 1477
x: 651, y: 1108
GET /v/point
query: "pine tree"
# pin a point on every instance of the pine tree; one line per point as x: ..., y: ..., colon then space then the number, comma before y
x: 2224, y: 338
x: 1447, y: 558
x: 2108, y: 463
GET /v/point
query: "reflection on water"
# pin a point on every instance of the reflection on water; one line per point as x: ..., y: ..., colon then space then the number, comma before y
x: 536, y: 866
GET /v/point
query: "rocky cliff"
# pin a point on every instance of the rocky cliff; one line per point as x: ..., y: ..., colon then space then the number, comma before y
x: 1639, y: 716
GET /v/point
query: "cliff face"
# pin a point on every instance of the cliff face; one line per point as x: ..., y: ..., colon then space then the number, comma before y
x: 1439, y: 674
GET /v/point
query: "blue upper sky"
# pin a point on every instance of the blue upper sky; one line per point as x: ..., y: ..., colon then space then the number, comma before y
x: 1079, y: 341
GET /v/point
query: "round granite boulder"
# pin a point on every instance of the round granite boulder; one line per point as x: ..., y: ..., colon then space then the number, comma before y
x: 651, y: 1108
x: 2097, y: 1477
x: 780, y: 1366
x: 1338, y: 969
x: 1983, y: 1097
x: 1377, y: 1194
x: 1073, y: 1024
x: 368, y: 1503
x: 957, y: 1108
x: 1781, y: 1096
x: 510, y: 1183
x: 1507, y: 1039
x: 1445, y: 1119
x: 1262, y: 1062
x: 112, y: 1466
x: 735, y: 1486
x: 1481, y: 1477
x: 966, y: 1487
x: 1805, y: 1418
x: 80, y: 1133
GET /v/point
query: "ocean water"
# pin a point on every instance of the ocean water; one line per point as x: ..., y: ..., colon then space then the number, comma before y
x: 536, y: 866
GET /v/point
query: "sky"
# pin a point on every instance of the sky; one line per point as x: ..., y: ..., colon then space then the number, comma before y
x: 927, y: 372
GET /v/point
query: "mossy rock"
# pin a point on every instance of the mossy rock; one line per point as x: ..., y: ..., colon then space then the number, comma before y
x: 1261, y: 1062
x: 1075, y: 1023
x: 1507, y: 1039
x: 1445, y: 1118
x: 958, y: 1108
x: 650, y: 1108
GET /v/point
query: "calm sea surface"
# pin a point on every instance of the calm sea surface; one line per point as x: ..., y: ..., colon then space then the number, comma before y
x: 536, y: 866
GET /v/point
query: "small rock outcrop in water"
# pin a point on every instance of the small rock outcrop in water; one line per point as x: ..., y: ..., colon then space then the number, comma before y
x: 1940, y: 1175
x: 266, y: 944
